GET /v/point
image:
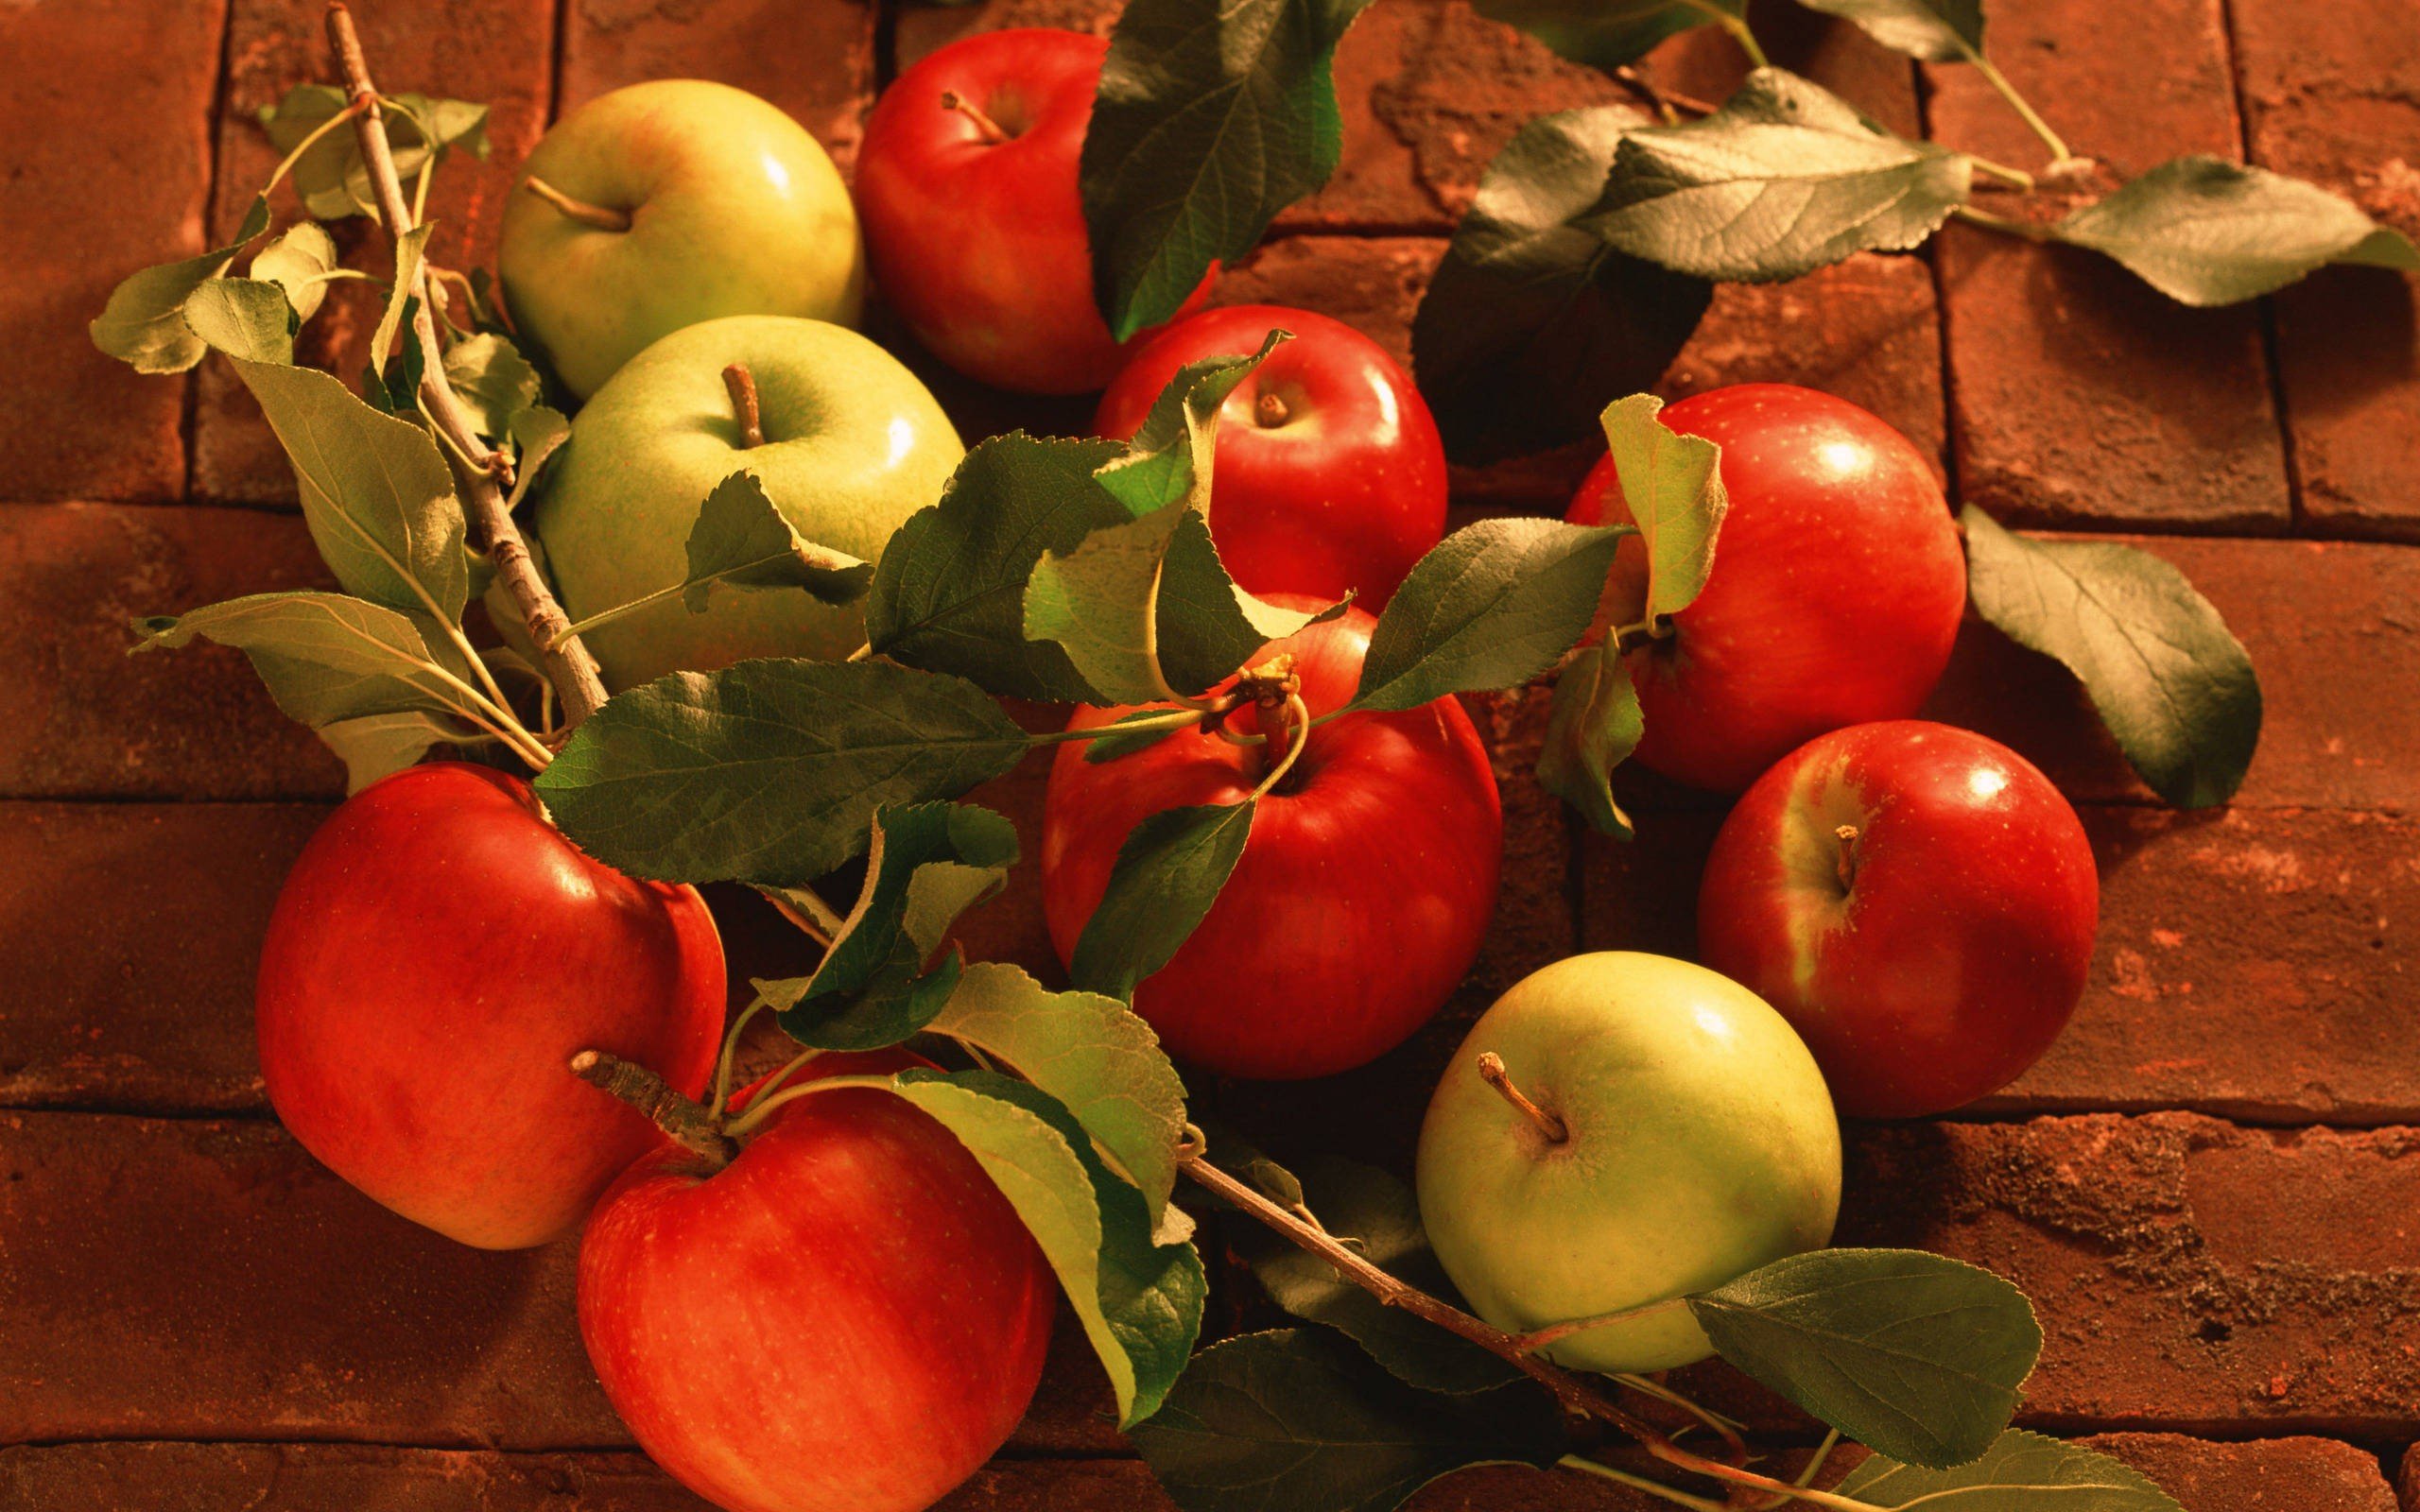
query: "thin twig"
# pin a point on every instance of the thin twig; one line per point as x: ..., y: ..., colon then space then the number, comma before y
x: 484, y: 475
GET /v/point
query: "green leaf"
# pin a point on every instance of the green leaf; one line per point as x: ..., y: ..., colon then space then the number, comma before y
x: 1298, y: 1421
x: 1092, y: 1053
x: 143, y: 325
x: 742, y: 539
x: 536, y: 433
x: 1916, y: 1356
x: 1110, y: 746
x: 1610, y: 34
x: 1167, y: 462
x: 2020, y: 1472
x: 2204, y: 231
x: 243, y: 317
x: 326, y: 657
x: 927, y: 862
x: 1938, y: 31
x: 2175, y: 688
x: 1377, y: 1216
x: 376, y: 745
x: 1534, y: 317
x: 1169, y: 874
x: 1209, y: 627
x: 1593, y: 727
x: 1208, y: 121
x: 1140, y: 1301
x: 948, y: 593
x: 1672, y: 486
x: 493, y: 380
x: 1784, y: 178
x: 331, y: 177
x: 770, y: 771
x: 1491, y: 606
x: 1101, y: 603
x: 298, y: 263
x: 411, y: 249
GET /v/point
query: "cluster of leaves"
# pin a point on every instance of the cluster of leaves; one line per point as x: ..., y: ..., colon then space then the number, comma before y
x: 1596, y: 235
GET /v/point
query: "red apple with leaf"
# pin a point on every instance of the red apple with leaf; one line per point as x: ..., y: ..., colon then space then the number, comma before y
x: 1330, y: 479
x: 1917, y: 900
x: 437, y: 953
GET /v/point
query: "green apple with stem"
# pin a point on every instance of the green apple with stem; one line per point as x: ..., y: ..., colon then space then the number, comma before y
x: 846, y: 443
x: 1617, y: 1131
x: 665, y: 204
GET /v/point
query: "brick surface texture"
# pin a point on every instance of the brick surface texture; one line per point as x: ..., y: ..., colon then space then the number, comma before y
x: 2209, y: 1186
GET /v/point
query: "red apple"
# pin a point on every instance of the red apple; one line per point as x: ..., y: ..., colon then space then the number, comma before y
x: 1917, y: 900
x: 438, y: 952
x: 1362, y: 891
x: 966, y: 188
x: 848, y: 1317
x: 1837, y: 587
x: 1329, y: 477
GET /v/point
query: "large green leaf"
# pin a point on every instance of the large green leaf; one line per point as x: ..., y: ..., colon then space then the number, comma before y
x: 1534, y: 317
x: 493, y: 379
x: 769, y: 771
x: 243, y: 317
x: 2020, y: 1472
x: 326, y: 657
x: 1783, y: 179
x: 1938, y: 31
x: 1208, y: 121
x: 1168, y: 874
x: 298, y: 262
x: 2172, y: 684
x: 1298, y: 1420
x: 1916, y: 1356
x: 1672, y: 486
x: 331, y: 177
x: 1139, y: 1300
x: 143, y: 324
x: 376, y: 745
x: 1593, y: 727
x: 1609, y: 34
x: 742, y: 540
x: 1491, y: 606
x: 1088, y: 1051
x: 2203, y: 231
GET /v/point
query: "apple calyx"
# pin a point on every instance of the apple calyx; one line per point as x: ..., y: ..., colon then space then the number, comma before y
x: 1846, y: 867
x: 684, y: 1120
x: 600, y: 216
x: 985, y: 126
x: 1269, y: 411
x: 742, y: 386
x: 1490, y: 1071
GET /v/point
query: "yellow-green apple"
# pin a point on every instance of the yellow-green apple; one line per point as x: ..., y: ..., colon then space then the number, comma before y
x: 666, y: 203
x: 853, y: 445
x: 438, y: 952
x: 847, y: 1318
x: 1330, y: 477
x: 1364, y: 887
x: 1621, y: 1130
x: 1836, y: 586
x: 1918, y: 899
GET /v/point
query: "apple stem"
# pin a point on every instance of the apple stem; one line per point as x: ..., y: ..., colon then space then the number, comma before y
x: 601, y: 216
x: 1490, y: 1071
x: 1269, y: 411
x: 742, y: 384
x: 1847, y: 834
x: 684, y: 1120
x: 985, y: 126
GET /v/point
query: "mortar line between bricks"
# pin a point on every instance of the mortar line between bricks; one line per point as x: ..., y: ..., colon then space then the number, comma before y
x: 222, y: 90
x: 2272, y: 357
x: 1931, y: 254
x: 563, y: 20
x: 627, y: 1449
x: 885, y: 46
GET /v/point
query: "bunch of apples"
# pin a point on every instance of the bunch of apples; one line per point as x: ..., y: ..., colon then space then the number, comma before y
x: 821, y: 1304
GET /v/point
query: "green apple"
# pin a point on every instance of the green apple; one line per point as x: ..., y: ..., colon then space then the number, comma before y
x: 1695, y: 1142
x: 854, y: 444
x: 668, y: 203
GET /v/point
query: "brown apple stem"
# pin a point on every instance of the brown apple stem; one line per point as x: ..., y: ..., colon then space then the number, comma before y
x: 1847, y: 867
x: 1269, y: 411
x: 684, y: 1120
x: 481, y: 473
x: 601, y: 216
x: 985, y: 126
x: 1490, y: 1071
x: 742, y: 384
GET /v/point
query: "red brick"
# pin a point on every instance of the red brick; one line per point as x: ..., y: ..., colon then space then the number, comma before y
x: 812, y: 58
x: 2332, y: 94
x: 80, y: 718
x: 2266, y: 1475
x: 2407, y: 1481
x: 497, y: 54
x: 2081, y: 396
x: 169, y: 1477
x: 108, y: 106
x: 143, y: 924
